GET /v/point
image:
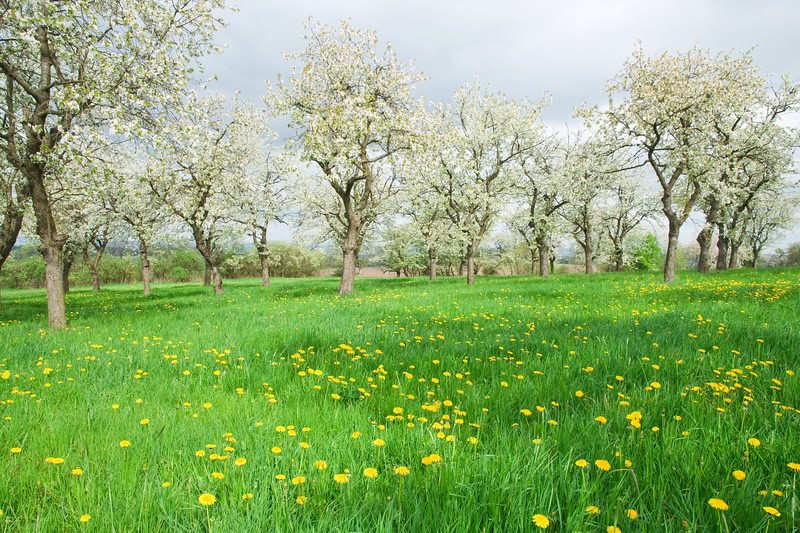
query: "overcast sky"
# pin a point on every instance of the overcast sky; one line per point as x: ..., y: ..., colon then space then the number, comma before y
x: 523, y: 49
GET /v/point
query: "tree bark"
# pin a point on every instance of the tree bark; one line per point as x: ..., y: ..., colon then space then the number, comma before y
x: 66, y: 266
x: 217, y: 275
x: 734, y: 260
x: 9, y: 231
x: 264, y: 269
x: 619, y: 258
x: 147, y: 273
x: 433, y: 257
x: 470, y: 264
x: 756, y: 254
x: 263, y: 252
x: 350, y: 249
x: 207, y: 278
x: 705, y: 236
x: 722, y: 248
x: 533, y: 261
x: 544, y: 258
x: 51, y: 247
x: 672, y: 250
x: 588, y: 253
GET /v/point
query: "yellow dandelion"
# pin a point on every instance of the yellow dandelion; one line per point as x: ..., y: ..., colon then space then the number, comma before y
x: 165, y: 484
x: 593, y: 509
x: 631, y: 513
x: 320, y: 465
x: 772, y: 511
x: 401, y: 470
x: 241, y: 461
x: 341, y: 478
x: 718, y: 504
x: 124, y: 443
x: 16, y: 449
x: 217, y: 475
x: 85, y: 518
x: 370, y: 473
x: 144, y: 421
x: 301, y: 500
x: 739, y: 475
x: 541, y: 521
x: 472, y: 440
x: 794, y: 466
x: 298, y: 480
x: 206, y: 499
x: 356, y: 434
x: 378, y: 442
x: 602, y: 464
x: 280, y: 477
x: 601, y: 419
x: 77, y: 472
x: 581, y: 463
x: 247, y: 496
x: 613, y: 529
x: 752, y: 441
x: 579, y: 393
x: 275, y: 450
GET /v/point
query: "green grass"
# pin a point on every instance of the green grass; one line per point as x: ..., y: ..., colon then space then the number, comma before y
x: 710, y: 361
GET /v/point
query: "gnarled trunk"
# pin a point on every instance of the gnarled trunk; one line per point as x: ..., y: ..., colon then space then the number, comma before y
x: 722, y: 248
x: 433, y: 257
x: 705, y: 236
x: 544, y: 258
x: 217, y: 275
x: 66, y: 266
x: 350, y: 250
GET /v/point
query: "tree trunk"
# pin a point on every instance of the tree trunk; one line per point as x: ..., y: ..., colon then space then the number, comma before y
x: 588, y: 253
x: 552, y: 261
x: 11, y: 226
x: 756, y: 253
x: 704, y: 240
x: 350, y: 249
x: 54, y: 282
x: 264, y: 269
x: 619, y: 263
x: 217, y: 275
x: 722, y: 249
x: 207, y: 278
x: 470, y: 264
x: 544, y: 257
x: 433, y: 257
x: 533, y: 261
x: 672, y: 250
x: 65, y: 268
x: 147, y: 273
x: 734, y: 260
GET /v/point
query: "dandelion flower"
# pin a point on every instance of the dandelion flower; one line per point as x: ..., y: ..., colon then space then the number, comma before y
x: 217, y: 475
x: 280, y: 477
x: 298, y: 480
x: 370, y: 473
x: 581, y: 463
x: 144, y: 421
x: 54, y: 460
x: 794, y: 466
x: 247, y: 496
x: 718, y: 504
x: 631, y: 513
x: 613, y: 529
x: 124, y: 443
x: 165, y: 484
x: 356, y: 434
x: 739, y: 475
x: 241, y: 461
x: 378, y: 443
x: 472, y: 440
x: 579, y: 393
x: 16, y: 449
x: 752, y: 441
x: 301, y: 500
x: 593, y: 509
x: 85, y: 518
x: 207, y: 499
x: 77, y: 472
x: 341, y: 478
x: 275, y: 450
x: 772, y: 511
x: 603, y: 465
x: 320, y: 465
x: 541, y: 521
x: 401, y: 470
x: 601, y: 419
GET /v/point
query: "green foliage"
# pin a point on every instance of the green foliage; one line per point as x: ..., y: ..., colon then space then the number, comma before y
x: 648, y: 255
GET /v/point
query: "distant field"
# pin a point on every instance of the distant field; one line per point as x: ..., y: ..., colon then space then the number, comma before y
x: 576, y: 403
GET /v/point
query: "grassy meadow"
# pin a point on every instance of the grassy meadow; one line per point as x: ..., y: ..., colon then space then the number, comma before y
x: 570, y: 404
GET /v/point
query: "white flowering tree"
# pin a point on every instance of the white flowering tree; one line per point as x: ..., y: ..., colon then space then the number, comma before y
x: 70, y: 69
x: 13, y: 199
x: 543, y: 188
x: 479, y: 140
x: 629, y: 205
x: 663, y: 109
x: 768, y: 218
x: 351, y: 105
x: 260, y: 195
x: 201, y: 154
